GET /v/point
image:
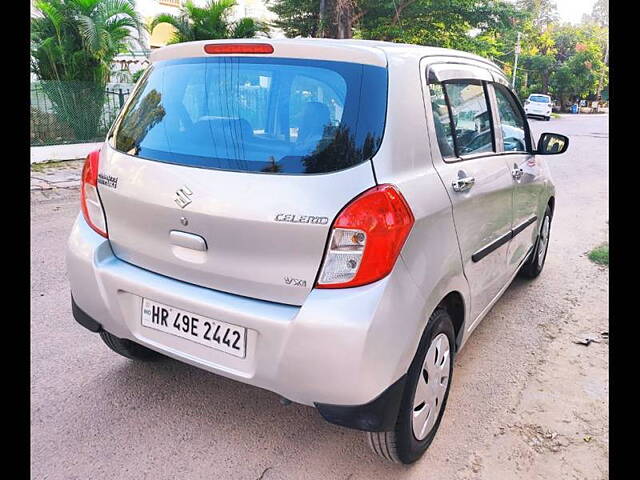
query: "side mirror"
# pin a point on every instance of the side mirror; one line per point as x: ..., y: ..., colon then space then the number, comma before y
x: 552, y: 144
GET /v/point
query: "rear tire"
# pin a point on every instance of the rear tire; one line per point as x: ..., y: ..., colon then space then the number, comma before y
x: 534, y: 265
x: 128, y: 349
x: 403, y: 444
x: 547, y: 118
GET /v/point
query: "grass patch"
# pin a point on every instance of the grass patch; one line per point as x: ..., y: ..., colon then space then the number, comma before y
x: 600, y: 255
x: 42, y: 166
x: 555, y: 115
x: 39, y: 167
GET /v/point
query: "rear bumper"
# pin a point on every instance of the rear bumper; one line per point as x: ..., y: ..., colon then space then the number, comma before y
x: 83, y: 319
x: 340, y: 351
x: 379, y: 415
x: 537, y: 113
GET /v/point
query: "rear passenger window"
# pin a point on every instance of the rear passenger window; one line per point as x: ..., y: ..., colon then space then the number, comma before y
x: 511, y: 121
x: 471, y: 117
x: 441, y: 120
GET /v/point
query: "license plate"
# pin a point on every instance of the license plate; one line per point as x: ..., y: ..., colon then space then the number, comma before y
x: 219, y: 335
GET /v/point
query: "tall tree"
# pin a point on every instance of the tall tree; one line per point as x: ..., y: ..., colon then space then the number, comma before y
x: 344, y: 11
x: 446, y: 23
x: 599, y: 14
x: 299, y: 18
x: 556, y: 59
x: 580, y: 61
x: 316, y: 18
x: 208, y: 22
x: 542, y: 12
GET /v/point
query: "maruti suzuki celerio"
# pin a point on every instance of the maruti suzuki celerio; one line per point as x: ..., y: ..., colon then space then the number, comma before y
x: 325, y: 219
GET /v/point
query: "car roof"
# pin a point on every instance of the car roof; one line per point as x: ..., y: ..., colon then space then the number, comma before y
x: 372, y: 52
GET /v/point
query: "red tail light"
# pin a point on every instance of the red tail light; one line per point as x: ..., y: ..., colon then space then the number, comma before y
x: 222, y: 48
x: 366, y: 239
x: 89, y: 199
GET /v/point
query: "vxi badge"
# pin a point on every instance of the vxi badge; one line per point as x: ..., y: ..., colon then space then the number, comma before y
x: 291, y: 218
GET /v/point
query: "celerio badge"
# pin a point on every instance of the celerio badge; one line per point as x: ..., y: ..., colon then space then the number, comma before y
x: 291, y: 218
x: 182, y: 196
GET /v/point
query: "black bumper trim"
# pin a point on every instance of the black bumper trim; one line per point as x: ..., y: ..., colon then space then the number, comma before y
x: 379, y: 415
x: 83, y: 319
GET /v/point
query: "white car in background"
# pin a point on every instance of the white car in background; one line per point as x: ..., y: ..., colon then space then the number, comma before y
x: 538, y: 105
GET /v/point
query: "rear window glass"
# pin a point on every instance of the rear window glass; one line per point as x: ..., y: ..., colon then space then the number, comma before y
x: 539, y: 98
x: 272, y: 115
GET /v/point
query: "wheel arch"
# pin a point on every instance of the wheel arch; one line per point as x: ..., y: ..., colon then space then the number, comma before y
x: 454, y: 304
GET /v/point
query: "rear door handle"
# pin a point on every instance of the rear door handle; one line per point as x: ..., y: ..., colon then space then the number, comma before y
x: 463, y: 184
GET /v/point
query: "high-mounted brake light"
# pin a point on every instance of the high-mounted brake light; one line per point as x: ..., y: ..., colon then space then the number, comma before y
x: 221, y: 48
x: 89, y: 199
x: 366, y: 239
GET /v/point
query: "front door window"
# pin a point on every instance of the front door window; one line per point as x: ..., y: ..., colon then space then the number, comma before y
x: 512, y: 123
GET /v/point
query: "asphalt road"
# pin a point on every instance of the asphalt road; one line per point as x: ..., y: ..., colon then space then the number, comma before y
x: 97, y: 415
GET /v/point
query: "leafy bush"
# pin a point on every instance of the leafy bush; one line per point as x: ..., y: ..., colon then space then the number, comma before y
x: 47, y: 128
x: 73, y: 44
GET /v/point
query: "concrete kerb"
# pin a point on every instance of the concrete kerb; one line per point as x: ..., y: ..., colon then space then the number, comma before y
x: 53, y: 153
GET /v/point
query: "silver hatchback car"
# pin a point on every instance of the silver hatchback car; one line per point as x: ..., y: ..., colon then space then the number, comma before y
x: 325, y: 219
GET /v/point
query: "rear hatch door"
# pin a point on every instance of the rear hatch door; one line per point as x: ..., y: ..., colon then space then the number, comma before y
x: 228, y: 172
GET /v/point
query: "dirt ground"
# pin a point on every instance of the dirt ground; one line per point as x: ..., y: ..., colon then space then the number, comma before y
x: 558, y: 424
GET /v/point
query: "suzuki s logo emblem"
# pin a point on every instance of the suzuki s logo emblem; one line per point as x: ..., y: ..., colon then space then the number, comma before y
x: 182, y: 196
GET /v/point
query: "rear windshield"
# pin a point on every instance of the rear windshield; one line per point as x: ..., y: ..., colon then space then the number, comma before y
x: 539, y: 98
x: 272, y: 115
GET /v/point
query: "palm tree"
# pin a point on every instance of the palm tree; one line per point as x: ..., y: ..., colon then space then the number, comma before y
x: 78, y: 39
x: 73, y: 44
x: 208, y: 23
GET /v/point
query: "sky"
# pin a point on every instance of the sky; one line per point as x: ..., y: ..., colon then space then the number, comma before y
x: 572, y: 10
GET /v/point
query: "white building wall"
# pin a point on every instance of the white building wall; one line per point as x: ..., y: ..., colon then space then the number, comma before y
x: 253, y: 8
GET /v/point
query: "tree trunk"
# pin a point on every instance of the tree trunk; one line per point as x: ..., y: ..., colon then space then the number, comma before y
x: 345, y: 15
x: 399, y: 9
x: 337, y: 18
x: 545, y: 82
x: 322, y: 18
